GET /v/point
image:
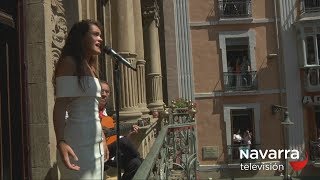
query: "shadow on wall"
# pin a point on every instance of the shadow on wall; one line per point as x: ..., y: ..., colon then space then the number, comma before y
x: 272, y: 64
x: 213, y: 14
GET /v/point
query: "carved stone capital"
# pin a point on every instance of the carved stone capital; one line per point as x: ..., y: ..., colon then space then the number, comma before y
x: 150, y: 12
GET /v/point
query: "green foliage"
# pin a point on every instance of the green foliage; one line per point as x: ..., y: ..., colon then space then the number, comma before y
x: 180, y: 103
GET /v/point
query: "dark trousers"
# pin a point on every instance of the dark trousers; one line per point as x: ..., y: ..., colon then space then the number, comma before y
x: 129, y: 160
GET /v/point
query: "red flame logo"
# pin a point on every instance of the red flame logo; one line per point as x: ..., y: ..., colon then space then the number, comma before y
x: 298, y: 165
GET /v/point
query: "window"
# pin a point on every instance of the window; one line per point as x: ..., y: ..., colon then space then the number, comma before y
x: 241, y: 116
x: 311, y: 59
x: 313, y: 77
x: 243, y: 130
x: 244, y: 42
x: 312, y: 44
x: 242, y: 120
x: 237, y: 56
x: 239, y: 75
x: 238, y: 45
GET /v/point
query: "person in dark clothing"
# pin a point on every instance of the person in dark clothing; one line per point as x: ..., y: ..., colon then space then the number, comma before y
x: 129, y: 160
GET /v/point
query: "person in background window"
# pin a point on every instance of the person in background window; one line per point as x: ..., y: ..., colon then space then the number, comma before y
x: 245, y: 69
x: 238, y: 65
x: 229, y: 68
x: 238, y: 72
x: 237, y: 137
x: 311, y: 59
x: 230, y: 78
x: 246, y: 142
x: 247, y: 138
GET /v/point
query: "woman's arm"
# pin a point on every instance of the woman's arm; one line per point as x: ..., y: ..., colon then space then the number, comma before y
x: 66, y: 67
x: 105, y: 146
x: 59, y: 114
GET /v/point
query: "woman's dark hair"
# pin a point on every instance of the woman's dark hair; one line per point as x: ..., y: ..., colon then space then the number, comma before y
x: 74, y: 48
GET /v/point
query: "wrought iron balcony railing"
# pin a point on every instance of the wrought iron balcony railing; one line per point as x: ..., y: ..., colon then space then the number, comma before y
x: 312, y: 79
x: 246, y: 81
x: 234, y: 152
x: 173, y: 154
x: 315, y: 150
x: 309, y: 6
x: 235, y: 8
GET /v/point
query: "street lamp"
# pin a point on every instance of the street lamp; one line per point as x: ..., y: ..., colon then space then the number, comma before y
x: 286, y: 122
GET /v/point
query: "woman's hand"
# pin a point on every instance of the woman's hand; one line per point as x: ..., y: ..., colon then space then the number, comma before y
x: 65, y: 150
x: 106, y: 150
x: 105, y: 147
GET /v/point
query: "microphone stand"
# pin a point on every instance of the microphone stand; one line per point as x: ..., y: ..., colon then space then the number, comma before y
x: 117, y: 76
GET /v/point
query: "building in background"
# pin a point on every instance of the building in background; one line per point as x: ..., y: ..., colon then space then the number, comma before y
x: 237, y: 78
x: 249, y: 56
x: 235, y: 58
x: 300, y: 37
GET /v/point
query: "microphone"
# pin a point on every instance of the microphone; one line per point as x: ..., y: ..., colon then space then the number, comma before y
x: 108, y: 50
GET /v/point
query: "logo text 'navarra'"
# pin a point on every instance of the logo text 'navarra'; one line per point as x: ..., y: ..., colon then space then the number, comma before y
x: 270, y: 154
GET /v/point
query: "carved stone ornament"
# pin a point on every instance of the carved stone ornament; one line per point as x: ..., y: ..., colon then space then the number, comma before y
x: 151, y: 11
x: 59, y: 28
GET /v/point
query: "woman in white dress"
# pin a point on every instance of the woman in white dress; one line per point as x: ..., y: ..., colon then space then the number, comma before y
x: 80, y: 140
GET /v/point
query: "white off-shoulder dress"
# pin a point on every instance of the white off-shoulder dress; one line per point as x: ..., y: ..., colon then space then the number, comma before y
x: 82, y: 130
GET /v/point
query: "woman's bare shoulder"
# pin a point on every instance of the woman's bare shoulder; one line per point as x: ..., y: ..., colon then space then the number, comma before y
x: 66, y: 67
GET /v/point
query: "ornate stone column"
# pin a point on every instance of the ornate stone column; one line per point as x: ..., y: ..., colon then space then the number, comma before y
x: 124, y: 43
x: 141, y: 82
x: 152, y: 54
